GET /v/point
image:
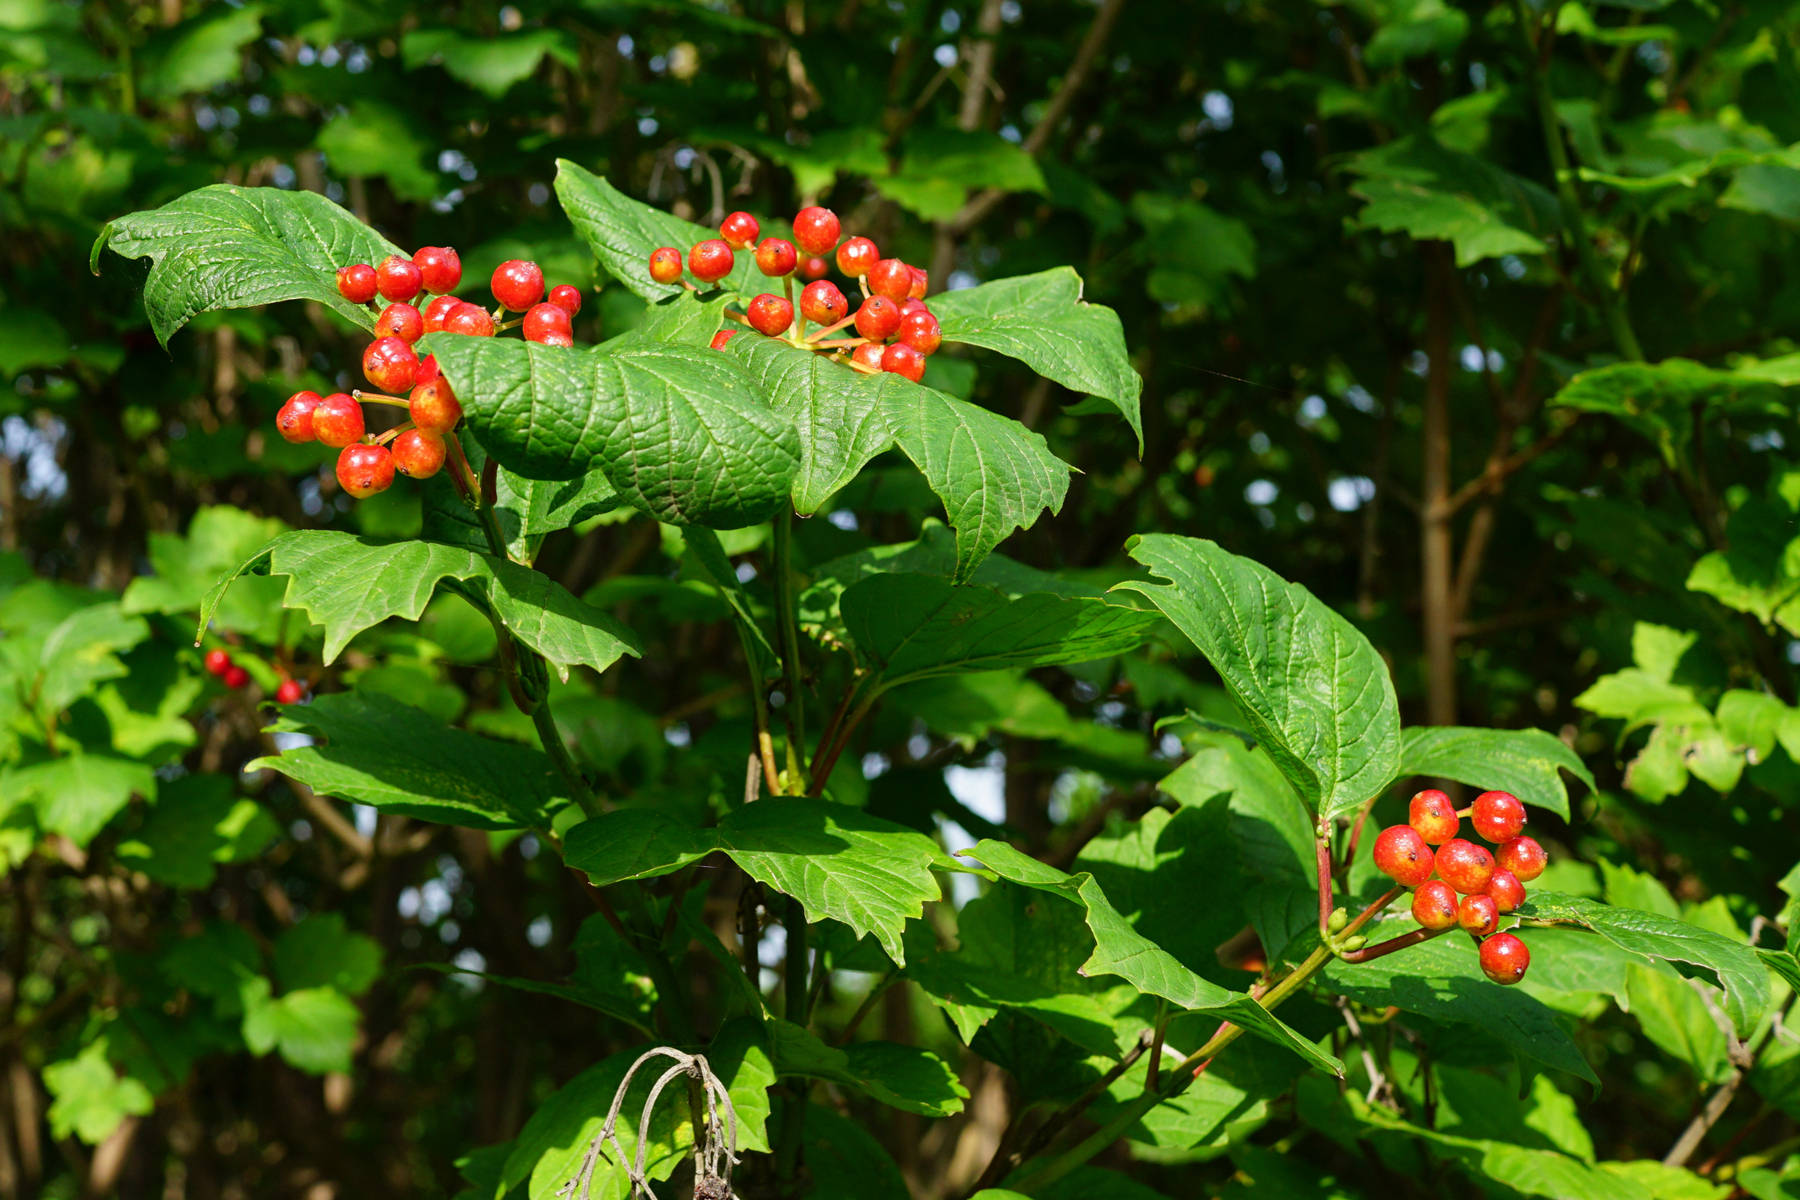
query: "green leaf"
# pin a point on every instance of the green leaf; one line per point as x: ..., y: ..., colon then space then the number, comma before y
x: 200, y: 53
x: 397, y: 758
x: 372, y: 140
x: 905, y: 1077
x: 844, y: 1159
x: 491, y: 62
x: 1422, y: 189
x: 1657, y: 400
x: 226, y: 246
x: 1674, y: 1018
x: 1195, y: 250
x: 77, y: 795
x: 218, y: 539
x: 1042, y: 321
x: 839, y: 863
x: 1417, y: 29
x: 623, y: 232
x: 88, y: 1098
x: 1120, y: 950
x: 83, y: 651
x: 1526, y: 762
x: 677, y: 430
x: 320, y: 952
x: 198, y: 821
x: 1314, y: 691
x: 314, y: 1029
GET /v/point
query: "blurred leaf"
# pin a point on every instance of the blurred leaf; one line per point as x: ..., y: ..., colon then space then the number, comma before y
x: 492, y: 63
x: 200, y: 53
x: 1657, y: 400
x: 314, y: 1029
x: 319, y: 952
x: 1426, y: 191
x: 78, y: 794
x: 197, y: 822
x: 372, y: 140
x: 89, y: 1098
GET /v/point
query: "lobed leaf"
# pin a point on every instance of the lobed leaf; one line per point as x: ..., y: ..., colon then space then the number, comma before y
x: 1526, y: 762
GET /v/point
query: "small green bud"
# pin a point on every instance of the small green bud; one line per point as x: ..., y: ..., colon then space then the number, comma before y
x: 1339, y: 919
x: 1353, y: 944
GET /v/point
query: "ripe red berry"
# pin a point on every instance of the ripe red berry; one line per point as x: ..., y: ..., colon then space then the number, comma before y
x: 1504, y: 959
x: 816, y: 229
x: 218, y: 662
x: 440, y: 268
x: 856, y: 256
x: 546, y: 320
x: 911, y: 305
x: 877, y: 318
x: 235, y: 677
x: 357, y: 283
x: 338, y: 420
x: 902, y: 359
x: 1523, y: 857
x: 1402, y: 855
x: 711, y: 260
x: 391, y: 365
x: 665, y: 264
x: 440, y: 308
x: 1480, y: 915
x: 1433, y: 815
x: 428, y: 370
x: 434, y: 407
x: 822, y: 303
x: 720, y: 338
x: 1506, y: 890
x: 776, y: 257
x: 553, y: 338
x: 770, y: 314
x: 400, y: 320
x: 1498, y: 816
x: 921, y: 282
x: 920, y: 331
x: 517, y: 284
x: 566, y: 297
x: 290, y: 692
x: 1465, y: 866
x: 813, y: 268
x: 739, y: 230
x: 295, y: 420
x: 419, y: 454
x: 869, y: 355
x: 891, y: 278
x: 397, y: 278
x: 471, y: 319
x: 1434, y: 904
x: 363, y: 470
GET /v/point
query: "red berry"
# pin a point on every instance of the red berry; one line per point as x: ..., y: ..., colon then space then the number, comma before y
x: 816, y: 229
x: 235, y: 677
x: 1523, y: 857
x: 391, y: 365
x: 440, y: 308
x: 1434, y: 904
x: 517, y: 284
x: 338, y: 420
x: 891, y: 278
x: 1465, y: 866
x: 218, y: 662
x: 921, y: 281
x: 770, y: 314
x: 295, y: 420
x: 1480, y: 915
x: 428, y: 370
x: 357, y: 283
x: 1433, y: 815
x: 363, y: 470
x: 1506, y: 890
x: 566, y: 297
x: 901, y: 359
x: 400, y: 320
x: 290, y: 692
x: 553, y: 338
x: 776, y: 257
x: 739, y: 230
x: 710, y: 260
x: 720, y: 338
x: 544, y: 320
x: 821, y: 302
x: 397, y: 278
x: 434, y: 407
x: 869, y: 354
x: 856, y: 256
x: 440, y: 268
x: 1498, y: 816
x: 419, y: 454
x: 471, y: 319
x: 1402, y: 855
x: 813, y: 268
x: 665, y: 264
x: 877, y: 318
x: 920, y: 331
x: 1504, y: 959
x: 911, y: 305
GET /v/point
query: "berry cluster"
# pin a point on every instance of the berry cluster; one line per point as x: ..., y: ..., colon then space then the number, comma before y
x: 1473, y: 887
x: 419, y: 446
x: 894, y: 328
x: 233, y: 676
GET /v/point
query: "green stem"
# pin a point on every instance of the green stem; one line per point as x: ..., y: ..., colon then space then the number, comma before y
x: 793, y: 1114
x: 787, y: 634
x: 827, y: 757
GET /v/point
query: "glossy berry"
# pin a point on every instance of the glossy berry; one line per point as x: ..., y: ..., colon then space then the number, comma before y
x: 776, y: 257
x: 471, y: 319
x: 566, y: 297
x: 869, y: 355
x: 433, y: 407
x: 1402, y: 855
x: 821, y: 302
x: 397, y: 278
x: 517, y: 284
x: 891, y: 278
x: 1433, y: 815
x: 419, y: 454
x: 363, y: 470
x: 739, y: 230
x: 920, y: 331
x: 1498, y: 816
x: 338, y: 421
x: 440, y: 308
x: 711, y: 260
x: 390, y: 364
x: 553, y: 338
x: 401, y: 320
x: 878, y: 318
x: 1504, y: 959
x: 290, y: 692
x: 295, y: 420
x: 545, y: 320
x: 217, y: 662
x: 816, y: 230
x: 720, y: 338
x: 856, y: 256
x: 1523, y: 857
x: 911, y: 305
x: 1478, y: 914
x: 665, y: 264
x: 440, y: 268
x: 1506, y: 890
x: 813, y: 268
x: 1465, y: 866
x: 770, y: 314
x: 428, y: 370
x: 902, y: 359
x: 235, y: 677
x: 357, y: 283
x: 921, y: 282
x: 1434, y: 904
